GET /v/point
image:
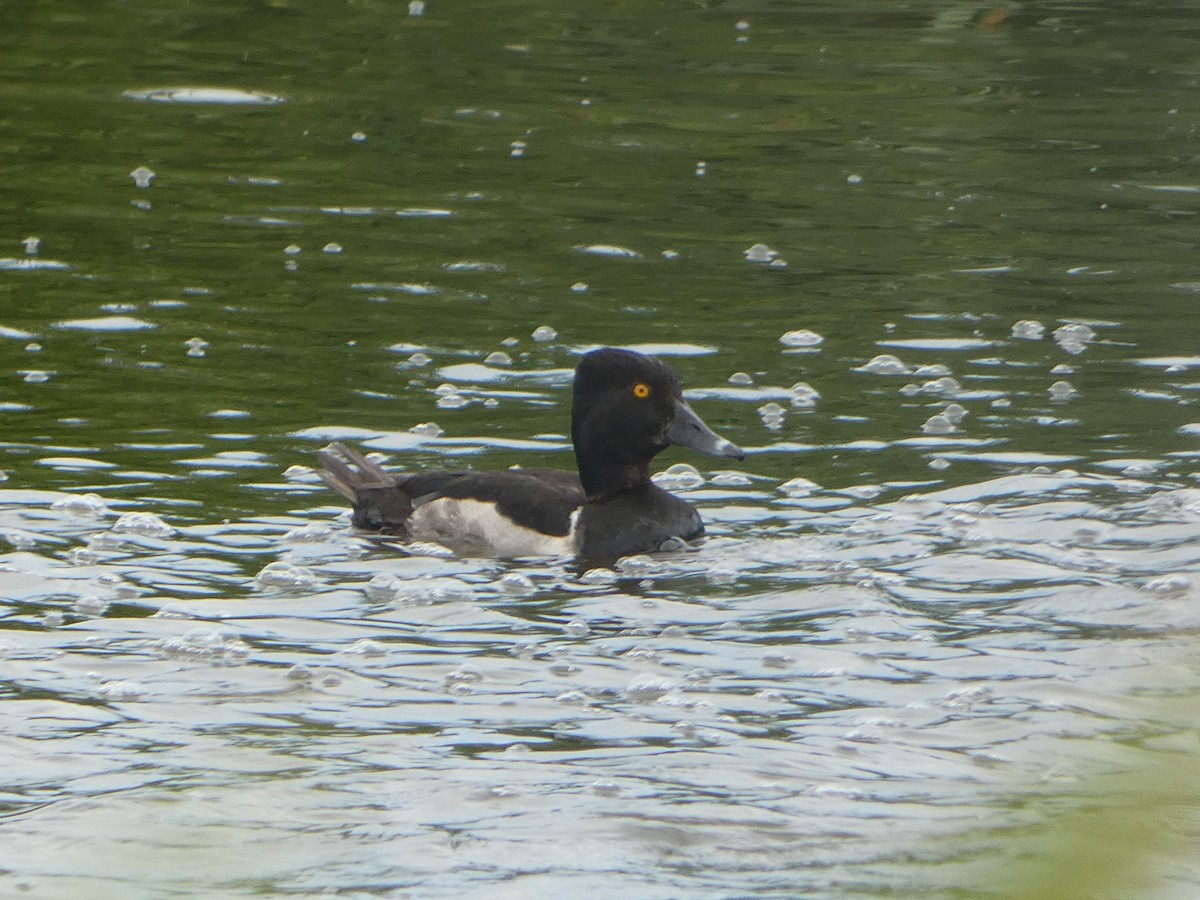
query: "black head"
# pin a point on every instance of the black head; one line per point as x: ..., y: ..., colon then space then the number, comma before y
x: 627, y: 407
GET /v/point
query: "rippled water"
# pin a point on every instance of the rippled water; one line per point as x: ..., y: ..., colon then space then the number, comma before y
x: 933, y: 268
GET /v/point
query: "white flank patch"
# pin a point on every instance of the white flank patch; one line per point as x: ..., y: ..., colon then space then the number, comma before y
x: 476, y: 528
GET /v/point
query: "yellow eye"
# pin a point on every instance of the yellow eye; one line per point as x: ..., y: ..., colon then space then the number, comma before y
x: 641, y: 390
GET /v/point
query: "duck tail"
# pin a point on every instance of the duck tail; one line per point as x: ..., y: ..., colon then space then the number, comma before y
x: 379, y: 501
x: 347, y: 471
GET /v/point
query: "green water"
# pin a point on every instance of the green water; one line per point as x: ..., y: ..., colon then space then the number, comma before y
x: 1040, y: 144
x: 930, y: 172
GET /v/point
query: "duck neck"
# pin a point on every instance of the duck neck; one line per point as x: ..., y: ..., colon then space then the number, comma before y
x: 602, y: 480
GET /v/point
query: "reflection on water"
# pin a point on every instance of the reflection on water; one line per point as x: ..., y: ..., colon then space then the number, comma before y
x: 787, y: 706
x: 932, y: 266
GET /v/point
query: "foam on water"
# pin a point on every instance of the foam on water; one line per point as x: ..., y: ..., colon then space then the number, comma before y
x: 106, y: 324
x: 218, y: 96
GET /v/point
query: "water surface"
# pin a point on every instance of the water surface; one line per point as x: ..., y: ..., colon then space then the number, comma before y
x: 932, y: 266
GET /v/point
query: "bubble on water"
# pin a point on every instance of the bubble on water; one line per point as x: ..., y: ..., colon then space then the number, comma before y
x: 544, y: 334
x: 610, y: 250
x: 938, y: 424
x: 358, y: 137
x: 464, y: 674
x: 33, y: 347
x: 854, y: 179
x: 1061, y: 390
x: 517, y: 149
x: 579, y: 287
x: 452, y: 401
x: 498, y: 358
x: 106, y: 324
x: 285, y: 576
x: 740, y: 378
x: 1028, y: 330
x: 419, y: 359
x: 416, y: 8
x: 195, y: 346
x: 82, y: 556
x: 562, y: 668
x: 645, y: 688
x: 884, y: 364
x: 798, y: 487
x: 203, y: 644
x: 743, y: 25
x: 574, y: 697
x: 721, y: 577
x: 19, y: 540
x: 146, y: 524
x: 967, y: 697
x: 91, y: 605
x: 1169, y: 585
x: 118, y: 691
x: 730, y: 479
x: 381, y: 588
x: 801, y: 338
x: 365, y: 647
x: 863, y: 491
x: 35, y: 376
x: 1140, y: 470
x: 577, y: 628
x: 759, y: 253
x: 771, y: 410
x: 701, y: 169
x: 932, y: 370
x: 517, y: 585
x: 777, y: 659
x: 598, y: 576
x: 33, y: 245
x: 939, y: 464
x: 312, y: 533
x: 204, y: 95
x: 142, y: 177
x: 680, y: 476
x: 685, y: 729
x: 332, y: 247
x: 89, y: 505
x: 670, y: 254
x: 509, y: 342
x: 943, y: 385
x: 772, y: 415
x: 804, y: 395
x: 639, y: 564
x: 955, y: 413
x: 1074, y: 337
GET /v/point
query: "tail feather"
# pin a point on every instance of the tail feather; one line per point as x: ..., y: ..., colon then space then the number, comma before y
x: 347, y: 471
x: 380, y: 504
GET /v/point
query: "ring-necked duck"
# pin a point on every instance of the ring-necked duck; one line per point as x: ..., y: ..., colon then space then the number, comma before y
x: 626, y: 408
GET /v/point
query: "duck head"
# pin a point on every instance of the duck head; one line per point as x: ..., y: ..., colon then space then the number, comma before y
x: 627, y: 407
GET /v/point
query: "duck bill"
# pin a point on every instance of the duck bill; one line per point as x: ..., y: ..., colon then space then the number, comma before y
x: 688, y: 430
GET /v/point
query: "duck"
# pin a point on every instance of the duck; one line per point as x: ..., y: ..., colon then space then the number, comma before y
x: 626, y: 407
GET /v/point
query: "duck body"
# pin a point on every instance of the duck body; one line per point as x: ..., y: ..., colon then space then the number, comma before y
x: 626, y: 407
